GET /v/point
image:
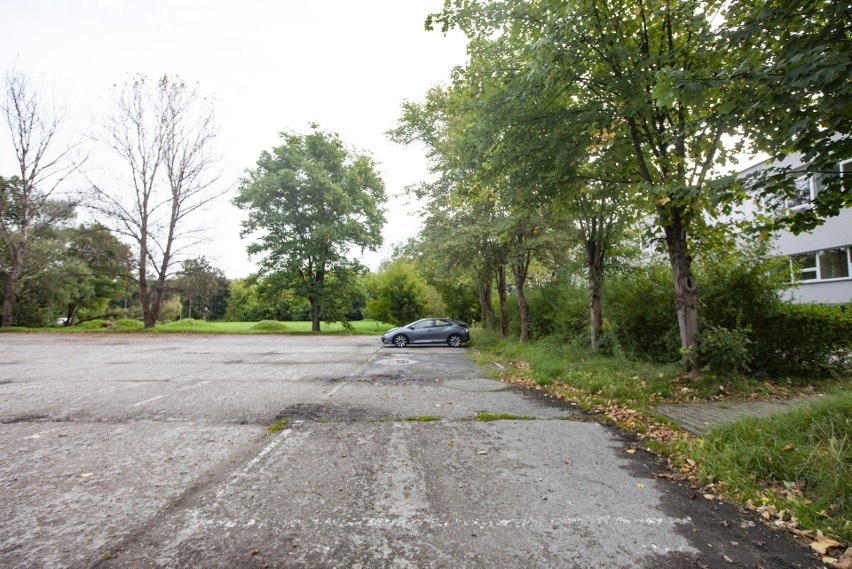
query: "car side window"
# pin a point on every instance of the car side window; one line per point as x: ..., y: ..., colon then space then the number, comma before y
x: 423, y: 324
x: 441, y: 323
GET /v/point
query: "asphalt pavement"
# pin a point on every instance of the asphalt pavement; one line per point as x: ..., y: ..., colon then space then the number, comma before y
x: 156, y: 451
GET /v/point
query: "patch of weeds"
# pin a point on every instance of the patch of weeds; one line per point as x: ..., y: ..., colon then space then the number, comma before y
x: 423, y: 418
x: 277, y: 425
x: 486, y: 416
x: 797, y: 463
x: 269, y: 326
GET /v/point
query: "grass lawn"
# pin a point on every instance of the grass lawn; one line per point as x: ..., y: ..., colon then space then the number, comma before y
x: 191, y: 325
x: 794, y: 469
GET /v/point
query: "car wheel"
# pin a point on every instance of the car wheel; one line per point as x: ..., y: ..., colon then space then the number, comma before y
x: 454, y: 341
x: 400, y: 341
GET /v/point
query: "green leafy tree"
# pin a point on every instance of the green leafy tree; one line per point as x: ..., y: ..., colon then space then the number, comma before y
x: 399, y: 293
x: 97, y: 268
x: 203, y: 289
x: 609, y: 68
x: 310, y: 202
x: 792, y: 65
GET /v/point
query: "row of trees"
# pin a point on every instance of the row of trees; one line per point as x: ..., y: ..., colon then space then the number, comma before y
x: 311, y: 203
x: 574, y: 121
x: 158, y: 171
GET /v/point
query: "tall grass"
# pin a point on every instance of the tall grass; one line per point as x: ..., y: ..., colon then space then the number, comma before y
x: 802, y: 457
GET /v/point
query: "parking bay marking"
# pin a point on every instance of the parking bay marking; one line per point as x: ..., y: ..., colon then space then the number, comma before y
x: 156, y: 397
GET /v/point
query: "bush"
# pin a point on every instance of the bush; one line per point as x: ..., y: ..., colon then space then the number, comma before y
x: 724, y: 351
x: 738, y: 290
x: 96, y: 324
x: 639, y: 305
x: 559, y: 309
x: 269, y: 326
x: 804, y: 339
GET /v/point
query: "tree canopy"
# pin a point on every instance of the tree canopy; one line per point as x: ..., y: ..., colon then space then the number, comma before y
x: 312, y: 203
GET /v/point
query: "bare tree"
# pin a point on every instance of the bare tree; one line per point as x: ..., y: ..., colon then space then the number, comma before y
x: 29, y: 200
x: 163, y: 133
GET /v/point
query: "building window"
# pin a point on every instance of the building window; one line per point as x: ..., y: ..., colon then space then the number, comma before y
x: 834, y: 264
x: 807, y: 188
x: 822, y: 265
x: 807, y: 267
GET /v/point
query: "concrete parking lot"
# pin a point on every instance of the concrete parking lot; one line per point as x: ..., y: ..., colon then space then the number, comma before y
x: 155, y: 451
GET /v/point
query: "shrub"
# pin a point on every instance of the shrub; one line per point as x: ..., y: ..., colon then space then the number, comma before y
x: 639, y: 304
x: 724, y: 351
x: 559, y: 309
x: 738, y: 290
x: 269, y: 326
x: 804, y: 339
x: 96, y: 324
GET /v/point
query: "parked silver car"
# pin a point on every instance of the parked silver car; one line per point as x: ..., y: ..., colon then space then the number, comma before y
x: 454, y: 333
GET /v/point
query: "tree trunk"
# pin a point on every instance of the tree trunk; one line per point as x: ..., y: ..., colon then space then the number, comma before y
x: 595, y: 261
x: 486, y: 309
x: 13, y: 283
x: 315, y: 315
x: 501, y: 294
x: 684, y: 284
x: 145, y: 297
x: 523, y: 307
x: 316, y: 298
x: 11, y: 294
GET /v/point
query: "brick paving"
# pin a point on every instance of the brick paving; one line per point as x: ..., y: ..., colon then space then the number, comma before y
x: 701, y: 417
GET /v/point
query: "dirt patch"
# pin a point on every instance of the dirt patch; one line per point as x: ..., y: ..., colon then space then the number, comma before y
x: 324, y: 414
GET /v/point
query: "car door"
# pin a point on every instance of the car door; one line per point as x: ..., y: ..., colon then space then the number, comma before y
x: 420, y: 331
x: 440, y: 331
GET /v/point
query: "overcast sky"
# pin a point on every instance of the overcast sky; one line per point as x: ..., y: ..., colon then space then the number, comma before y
x: 272, y: 64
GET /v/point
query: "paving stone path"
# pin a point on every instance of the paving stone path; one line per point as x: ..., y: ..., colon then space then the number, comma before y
x: 701, y: 417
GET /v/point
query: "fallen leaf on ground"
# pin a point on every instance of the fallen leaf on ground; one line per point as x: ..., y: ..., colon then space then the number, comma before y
x: 823, y: 544
x: 845, y: 561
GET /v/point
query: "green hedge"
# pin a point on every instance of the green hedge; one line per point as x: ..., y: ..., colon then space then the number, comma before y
x: 804, y: 339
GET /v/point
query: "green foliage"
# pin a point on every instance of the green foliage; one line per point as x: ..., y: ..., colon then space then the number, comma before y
x: 399, y: 293
x: 203, y: 289
x: 269, y: 326
x: 791, y: 75
x: 805, y: 340
x: 560, y: 308
x: 724, y: 351
x: 638, y: 303
x: 311, y: 202
x: 488, y: 416
x: 740, y: 287
x: 805, y: 455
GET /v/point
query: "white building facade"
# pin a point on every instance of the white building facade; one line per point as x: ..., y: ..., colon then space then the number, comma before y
x: 820, y: 260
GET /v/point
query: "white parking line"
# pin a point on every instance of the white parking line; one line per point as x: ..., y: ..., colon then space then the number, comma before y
x: 147, y: 401
x: 152, y: 399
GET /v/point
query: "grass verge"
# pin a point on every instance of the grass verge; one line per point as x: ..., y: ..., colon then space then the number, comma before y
x: 194, y: 326
x: 486, y: 416
x: 794, y: 469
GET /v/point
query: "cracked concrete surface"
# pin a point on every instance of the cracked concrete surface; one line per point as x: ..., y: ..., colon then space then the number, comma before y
x: 154, y: 451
